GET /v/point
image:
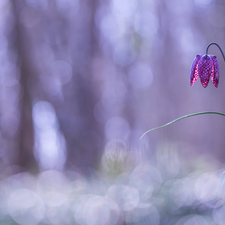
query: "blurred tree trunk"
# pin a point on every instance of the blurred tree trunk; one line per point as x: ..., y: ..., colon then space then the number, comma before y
x: 86, y: 136
x: 26, y: 157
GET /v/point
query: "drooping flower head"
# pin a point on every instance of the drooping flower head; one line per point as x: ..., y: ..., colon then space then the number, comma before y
x: 204, y: 67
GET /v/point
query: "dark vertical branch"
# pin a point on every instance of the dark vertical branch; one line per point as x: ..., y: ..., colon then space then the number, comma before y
x: 26, y: 136
x: 85, y: 93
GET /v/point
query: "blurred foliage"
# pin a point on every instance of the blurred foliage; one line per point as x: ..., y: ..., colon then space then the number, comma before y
x: 124, y: 192
x: 116, y: 162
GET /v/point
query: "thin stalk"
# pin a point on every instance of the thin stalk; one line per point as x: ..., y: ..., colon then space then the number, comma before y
x: 180, y: 118
x: 214, y: 43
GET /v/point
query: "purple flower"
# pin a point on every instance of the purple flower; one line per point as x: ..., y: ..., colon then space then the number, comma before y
x: 205, y: 66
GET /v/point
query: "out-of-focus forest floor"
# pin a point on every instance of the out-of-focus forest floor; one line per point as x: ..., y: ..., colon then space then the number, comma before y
x: 127, y: 188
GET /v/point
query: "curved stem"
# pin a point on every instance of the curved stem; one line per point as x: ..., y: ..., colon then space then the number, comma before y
x: 180, y: 118
x: 214, y: 43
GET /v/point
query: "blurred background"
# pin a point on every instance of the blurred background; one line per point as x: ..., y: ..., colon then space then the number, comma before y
x: 82, y: 78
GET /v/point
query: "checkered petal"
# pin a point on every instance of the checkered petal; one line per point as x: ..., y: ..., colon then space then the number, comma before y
x: 205, y: 69
x: 194, y: 69
x: 215, y: 75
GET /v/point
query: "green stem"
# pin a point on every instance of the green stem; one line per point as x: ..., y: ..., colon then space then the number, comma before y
x: 214, y: 43
x: 180, y: 118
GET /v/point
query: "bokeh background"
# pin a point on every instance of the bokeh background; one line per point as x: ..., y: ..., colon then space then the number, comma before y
x: 80, y: 79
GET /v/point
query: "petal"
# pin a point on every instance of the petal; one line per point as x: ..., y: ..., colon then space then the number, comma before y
x: 194, y: 69
x: 215, y: 75
x: 205, y: 69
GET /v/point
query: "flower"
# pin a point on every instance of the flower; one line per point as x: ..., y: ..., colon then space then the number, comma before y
x: 205, y: 66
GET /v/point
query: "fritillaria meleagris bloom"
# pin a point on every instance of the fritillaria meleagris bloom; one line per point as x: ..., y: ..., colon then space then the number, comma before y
x: 204, y: 67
